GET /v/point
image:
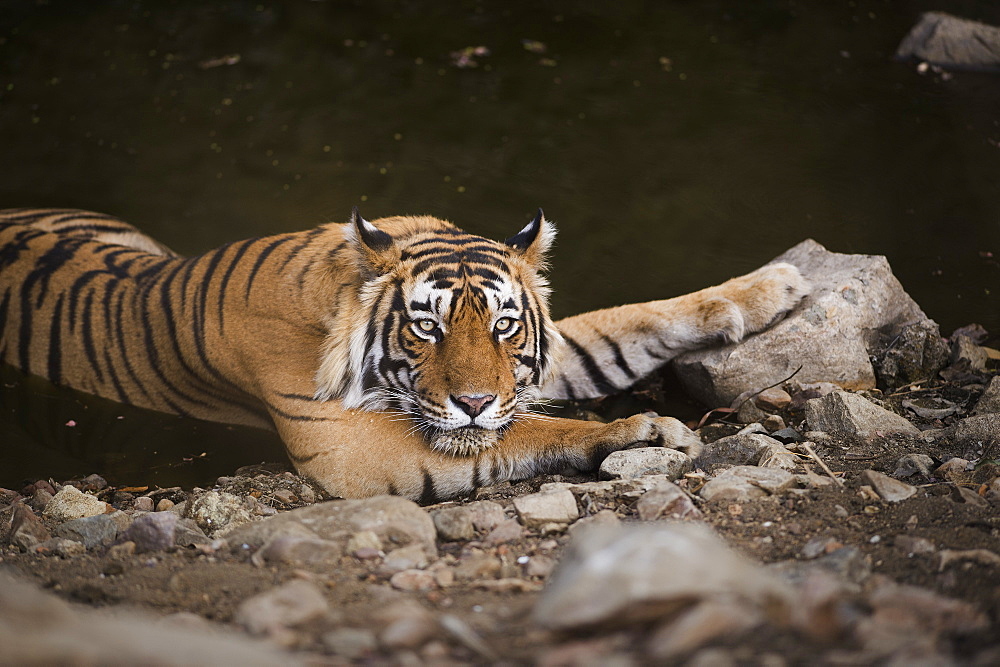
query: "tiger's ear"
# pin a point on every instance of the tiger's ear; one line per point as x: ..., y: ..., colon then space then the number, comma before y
x: 533, y: 242
x: 377, y: 249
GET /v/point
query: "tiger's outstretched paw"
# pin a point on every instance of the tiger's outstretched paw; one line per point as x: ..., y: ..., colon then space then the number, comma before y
x: 649, y: 430
x: 771, y: 292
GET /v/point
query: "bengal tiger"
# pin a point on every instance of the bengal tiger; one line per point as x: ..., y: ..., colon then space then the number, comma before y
x: 400, y: 356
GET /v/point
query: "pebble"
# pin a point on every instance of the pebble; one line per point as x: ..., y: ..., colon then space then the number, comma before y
x: 363, y: 539
x: 613, y: 575
x: 298, y: 551
x: 509, y: 530
x: 745, y: 483
x: 453, y: 523
x: 819, y: 546
x: 410, y: 557
x: 844, y: 412
x: 61, y: 546
x: 164, y: 505
x: 188, y: 533
x: 739, y: 449
x: 485, y: 514
x: 539, y: 566
x: 911, y: 464
x: 152, y: 532
x: 887, y: 488
x: 351, y: 643
x: 40, y: 499
x: 773, y: 398
x: 664, y: 501
x: 477, y: 565
x: 143, y: 504
x: 912, y: 545
x: 640, y: 461
x: 26, y: 529
x: 286, y: 606
x: 71, y: 503
x: 91, y: 531
x: 773, y: 423
x: 557, y: 506
x: 413, y: 580
x: 217, y: 512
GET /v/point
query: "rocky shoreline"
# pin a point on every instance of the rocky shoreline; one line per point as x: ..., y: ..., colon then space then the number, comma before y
x: 815, y: 526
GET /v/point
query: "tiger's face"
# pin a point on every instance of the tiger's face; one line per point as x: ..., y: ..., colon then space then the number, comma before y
x: 459, y: 334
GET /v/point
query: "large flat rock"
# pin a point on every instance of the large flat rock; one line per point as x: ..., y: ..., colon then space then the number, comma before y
x: 857, y: 309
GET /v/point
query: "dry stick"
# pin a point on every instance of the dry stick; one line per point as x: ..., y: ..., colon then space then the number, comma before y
x: 756, y: 393
x: 822, y: 465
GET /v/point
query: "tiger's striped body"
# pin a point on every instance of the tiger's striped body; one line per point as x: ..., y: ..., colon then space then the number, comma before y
x: 400, y: 357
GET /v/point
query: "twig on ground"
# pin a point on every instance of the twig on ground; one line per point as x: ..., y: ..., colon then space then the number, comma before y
x: 817, y: 459
x: 733, y: 411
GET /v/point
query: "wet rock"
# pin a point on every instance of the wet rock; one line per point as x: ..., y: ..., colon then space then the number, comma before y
x: 351, y: 643
x: 843, y: 412
x: 39, y: 629
x: 152, y: 532
x: 630, y: 463
x: 287, y: 606
x: 71, y: 503
x: 91, y: 531
x: 745, y: 483
x: 509, y: 530
x: 708, y: 620
x: 666, y: 501
x: 855, y: 307
x: 218, y: 512
x: 26, y: 529
x: 887, y: 488
x: 395, y: 521
x: 453, y: 523
x: 952, y: 42
x: 989, y: 402
x: 614, y: 575
x: 556, y: 506
x: 413, y: 580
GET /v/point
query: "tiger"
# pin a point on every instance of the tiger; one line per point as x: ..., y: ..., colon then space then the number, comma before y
x: 402, y: 356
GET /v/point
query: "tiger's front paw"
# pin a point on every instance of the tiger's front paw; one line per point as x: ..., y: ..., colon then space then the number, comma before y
x: 773, y: 291
x: 648, y: 430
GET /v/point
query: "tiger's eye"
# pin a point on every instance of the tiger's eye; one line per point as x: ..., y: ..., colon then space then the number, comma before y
x: 426, y: 326
x: 503, y: 324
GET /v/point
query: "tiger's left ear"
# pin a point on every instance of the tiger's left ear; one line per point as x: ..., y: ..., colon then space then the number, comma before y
x: 533, y: 242
x: 377, y: 249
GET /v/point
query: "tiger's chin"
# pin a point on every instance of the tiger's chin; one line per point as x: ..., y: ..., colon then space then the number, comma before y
x: 464, y: 441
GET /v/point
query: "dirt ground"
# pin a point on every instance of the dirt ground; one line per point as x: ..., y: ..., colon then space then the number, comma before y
x: 212, y: 582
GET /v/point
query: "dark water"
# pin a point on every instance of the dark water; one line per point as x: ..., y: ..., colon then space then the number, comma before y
x: 674, y: 143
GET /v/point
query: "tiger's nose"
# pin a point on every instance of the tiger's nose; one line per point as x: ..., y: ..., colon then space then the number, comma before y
x: 473, y: 405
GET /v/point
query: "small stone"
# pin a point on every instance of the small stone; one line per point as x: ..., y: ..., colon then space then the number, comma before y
x: 299, y: 551
x: 364, y: 539
x: 306, y: 494
x: 413, y: 580
x: 71, y: 503
x: 285, y: 496
x: 122, y: 550
x: 143, y: 504
x: 912, y: 545
x: 94, y: 483
x: 773, y: 423
x: 745, y: 483
x: 153, y: 532
x: 286, y: 606
x: 164, y: 505
x: 820, y: 546
x: 776, y: 456
x: 61, y: 546
x: 477, y: 565
x: 485, y: 514
x: 537, y: 509
x: 739, y: 449
x: 539, y: 566
x: 453, y: 523
x: 966, y: 495
x: 40, y: 499
x: 889, y: 489
x: 412, y: 557
x: 91, y: 531
x: 602, y: 518
x: 218, y: 512
x: 631, y: 463
x: 509, y: 530
x: 773, y: 399
x: 188, y: 533
x: 911, y: 464
x: 351, y: 643
x: 26, y: 529
x: 666, y: 500
x: 844, y: 412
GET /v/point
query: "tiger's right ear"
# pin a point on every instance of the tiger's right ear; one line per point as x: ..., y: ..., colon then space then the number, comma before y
x: 533, y: 242
x: 377, y: 249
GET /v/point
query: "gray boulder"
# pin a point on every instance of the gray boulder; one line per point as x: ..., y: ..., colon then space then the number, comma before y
x: 952, y: 43
x: 843, y: 412
x: 857, y: 309
x: 631, y: 463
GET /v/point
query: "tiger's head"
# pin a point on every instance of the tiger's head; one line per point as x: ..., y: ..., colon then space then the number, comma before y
x: 455, y: 332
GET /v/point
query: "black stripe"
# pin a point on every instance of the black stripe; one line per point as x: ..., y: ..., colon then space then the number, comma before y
x: 596, y: 375
x: 86, y: 326
x: 24, y: 334
x: 240, y: 251
x: 428, y: 494
x: 619, y: 357
x: 264, y: 254
x: 297, y: 418
x: 55, y: 342
x: 303, y: 459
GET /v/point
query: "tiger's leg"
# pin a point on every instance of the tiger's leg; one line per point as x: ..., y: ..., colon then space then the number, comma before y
x: 354, y: 453
x: 609, y: 350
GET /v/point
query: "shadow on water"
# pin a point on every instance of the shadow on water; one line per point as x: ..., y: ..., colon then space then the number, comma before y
x: 51, y: 431
x: 675, y: 144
